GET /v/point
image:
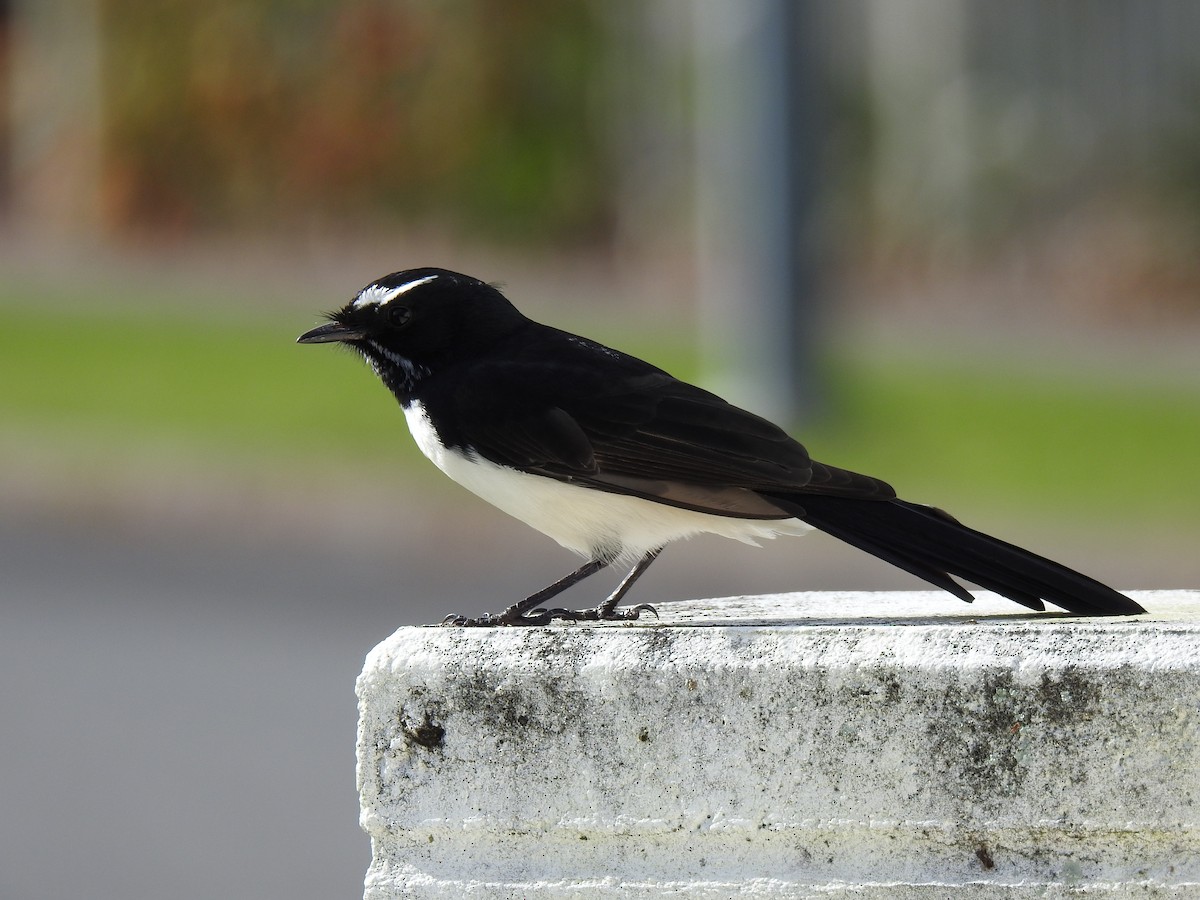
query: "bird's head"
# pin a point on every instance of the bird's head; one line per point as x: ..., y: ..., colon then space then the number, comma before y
x: 409, y: 323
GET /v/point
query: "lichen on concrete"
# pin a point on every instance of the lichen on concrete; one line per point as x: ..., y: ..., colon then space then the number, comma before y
x: 798, y: 745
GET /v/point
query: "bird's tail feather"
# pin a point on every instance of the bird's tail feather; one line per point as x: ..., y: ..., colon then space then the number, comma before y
x: 933, y: 546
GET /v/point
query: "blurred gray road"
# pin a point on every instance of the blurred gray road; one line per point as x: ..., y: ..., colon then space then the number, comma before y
x: 177, y: 705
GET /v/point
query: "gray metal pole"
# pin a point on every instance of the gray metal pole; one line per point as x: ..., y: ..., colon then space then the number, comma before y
x: 756, y: 185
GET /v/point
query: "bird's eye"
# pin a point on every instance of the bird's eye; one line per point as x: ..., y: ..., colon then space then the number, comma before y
x: 398, y: 315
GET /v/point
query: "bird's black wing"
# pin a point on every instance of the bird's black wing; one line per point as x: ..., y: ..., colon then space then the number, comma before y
x: 576, y: 411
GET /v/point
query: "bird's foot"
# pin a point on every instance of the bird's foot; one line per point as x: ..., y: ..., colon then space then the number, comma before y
x: 602, y: 613
x: 515, y: 617
x: 485, y: 621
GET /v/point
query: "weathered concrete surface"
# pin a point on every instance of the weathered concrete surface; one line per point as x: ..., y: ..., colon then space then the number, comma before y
x: 804, y: 745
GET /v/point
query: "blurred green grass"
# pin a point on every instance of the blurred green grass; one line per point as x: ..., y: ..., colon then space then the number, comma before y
x: 1072, y: 446
x: 238, y: 389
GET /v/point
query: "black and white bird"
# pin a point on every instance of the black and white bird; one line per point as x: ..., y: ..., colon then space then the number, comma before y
x: 614, y: 459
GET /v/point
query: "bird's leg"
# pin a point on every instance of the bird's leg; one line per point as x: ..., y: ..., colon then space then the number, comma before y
x: 607, y: 611
x: 516, y: 614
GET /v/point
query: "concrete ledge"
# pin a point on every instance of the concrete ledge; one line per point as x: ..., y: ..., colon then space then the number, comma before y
x: 805, y: 745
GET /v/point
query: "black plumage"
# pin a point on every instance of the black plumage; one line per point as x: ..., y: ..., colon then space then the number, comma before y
x: 505, y: 394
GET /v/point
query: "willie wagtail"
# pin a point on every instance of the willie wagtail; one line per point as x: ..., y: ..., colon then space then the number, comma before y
x: 614, y: 459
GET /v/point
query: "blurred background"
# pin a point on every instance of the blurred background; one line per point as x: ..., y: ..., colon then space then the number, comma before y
x: 955, y: 243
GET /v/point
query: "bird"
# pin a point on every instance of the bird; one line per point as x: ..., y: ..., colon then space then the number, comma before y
x: 614, y: 458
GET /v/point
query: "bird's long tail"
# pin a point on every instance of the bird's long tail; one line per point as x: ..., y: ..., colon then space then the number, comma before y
x: 933, y: 545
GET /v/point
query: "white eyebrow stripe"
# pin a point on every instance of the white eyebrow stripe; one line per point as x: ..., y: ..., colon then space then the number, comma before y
x: 377, y: 296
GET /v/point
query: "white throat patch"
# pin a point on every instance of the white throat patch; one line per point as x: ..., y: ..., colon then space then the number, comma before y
x: 374, y: 295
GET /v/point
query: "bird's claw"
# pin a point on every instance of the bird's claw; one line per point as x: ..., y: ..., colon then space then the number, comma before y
x: 513, y: 617
x: 487, y: 620
x: 598, y: 613
x: 510, y: 617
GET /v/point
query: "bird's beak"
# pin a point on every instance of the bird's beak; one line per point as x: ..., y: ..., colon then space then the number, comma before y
x: 330, y: 333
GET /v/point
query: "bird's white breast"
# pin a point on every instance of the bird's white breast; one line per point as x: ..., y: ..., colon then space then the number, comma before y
x: 587, y: 521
